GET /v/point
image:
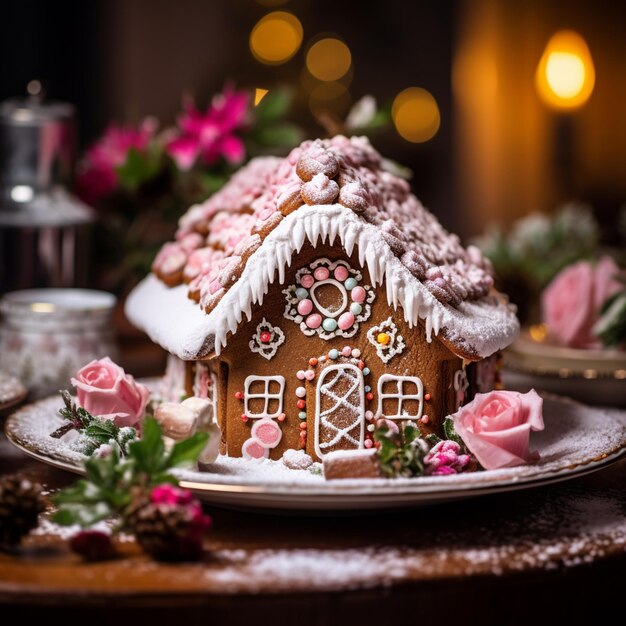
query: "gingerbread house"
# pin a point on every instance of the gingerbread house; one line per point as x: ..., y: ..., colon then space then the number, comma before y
x: 312, y: 295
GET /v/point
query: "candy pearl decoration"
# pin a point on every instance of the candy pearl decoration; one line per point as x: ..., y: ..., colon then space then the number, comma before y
x: 346, y: 320
x: 368, y: 443
x: 300, y: 392
x: 305, y: 306
x: 350, y: 284
x: 346, y: 351
x: 341, y: 273
x: 333, y: 354
x: 366, y: 371
x: 321, y: 273
x: 313, y: 321
x: 425, y: 419
x: 307, y: 281
x: 309, y: 375
x: 383, y: 338
x: 358, y: 294
x: 356, y: 353
x: 300, y: 374
x: 371, y: 428
x: 301, y: 293
x: 302, y: 415
x: 356, y: 308
x: 329, y: 324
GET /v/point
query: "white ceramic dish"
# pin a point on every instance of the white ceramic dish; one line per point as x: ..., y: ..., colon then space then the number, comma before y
x: 577, y: 440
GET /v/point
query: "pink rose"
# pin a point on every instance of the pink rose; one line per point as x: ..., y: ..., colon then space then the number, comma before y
x: 496, y: 426
x: 105, y: 390
x: 571, y: 302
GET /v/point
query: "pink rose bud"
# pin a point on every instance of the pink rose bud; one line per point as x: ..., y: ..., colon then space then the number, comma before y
x: 496, y: 426
x: 105, y: 390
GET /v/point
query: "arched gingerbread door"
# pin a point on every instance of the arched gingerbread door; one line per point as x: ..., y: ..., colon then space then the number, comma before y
x: 339, y: 409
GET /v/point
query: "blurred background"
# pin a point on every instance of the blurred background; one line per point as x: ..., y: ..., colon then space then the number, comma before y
x: 500, y: 109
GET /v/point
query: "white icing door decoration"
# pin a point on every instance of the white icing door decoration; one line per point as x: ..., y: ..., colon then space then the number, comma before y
x: 340, y: 409
x: 402, y: 394
x: 268, y: 391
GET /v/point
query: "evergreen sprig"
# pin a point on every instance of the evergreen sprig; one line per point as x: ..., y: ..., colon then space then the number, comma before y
x: 111, y: 482
x: 401, y: 453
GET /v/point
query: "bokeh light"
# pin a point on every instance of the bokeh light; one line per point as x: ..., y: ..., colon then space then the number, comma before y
x: 416, y: 115
x: 276, y: 38
x: 329, y: 59
x: 565, y: 75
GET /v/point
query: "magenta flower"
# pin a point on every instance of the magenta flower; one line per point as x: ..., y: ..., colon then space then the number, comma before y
x: 97, y: 175
x: 445, y: 458
x: 211, y: 135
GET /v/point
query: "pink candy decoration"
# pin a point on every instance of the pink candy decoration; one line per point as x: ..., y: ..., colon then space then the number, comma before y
x: 305, y: 306
x: 358, y: 295
x: 267, y: 433
x: 252, y: 449
x: 321, y: 273
x: 346, y: 350
x: 313, y: 321
x: 309, y: 374
x: 368, y: 443
x: 300, y: 375
x: 341, y: 273
x: 307, y: 281
x: 346, y: 320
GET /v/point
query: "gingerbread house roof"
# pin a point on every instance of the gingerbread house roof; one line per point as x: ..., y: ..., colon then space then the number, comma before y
x: 338, y: 191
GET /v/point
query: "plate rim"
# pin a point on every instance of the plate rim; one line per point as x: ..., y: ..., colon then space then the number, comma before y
x: 355, y: 490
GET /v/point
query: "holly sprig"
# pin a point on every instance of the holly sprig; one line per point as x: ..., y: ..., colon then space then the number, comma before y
x: 111, y: 482
x: 401, y: 453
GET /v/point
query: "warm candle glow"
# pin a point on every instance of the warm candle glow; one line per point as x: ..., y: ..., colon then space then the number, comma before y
x: 276, y: 38
x: 565, y: 76
x: 416, y: 115
x: 328, y: 59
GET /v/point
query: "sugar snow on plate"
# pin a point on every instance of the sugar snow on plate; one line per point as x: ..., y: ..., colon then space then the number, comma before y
x: 578, y: 439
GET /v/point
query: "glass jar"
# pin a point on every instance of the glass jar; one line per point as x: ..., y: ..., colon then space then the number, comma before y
x: 47, y: 335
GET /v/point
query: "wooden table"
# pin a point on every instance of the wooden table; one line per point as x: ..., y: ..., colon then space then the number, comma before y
x: 558, y: 552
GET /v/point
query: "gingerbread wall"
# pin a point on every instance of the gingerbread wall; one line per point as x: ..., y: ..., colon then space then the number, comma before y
x: 433, y: 363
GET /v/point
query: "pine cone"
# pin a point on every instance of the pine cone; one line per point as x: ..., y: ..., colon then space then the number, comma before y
x: 20, y: 505
x: 168, y: 531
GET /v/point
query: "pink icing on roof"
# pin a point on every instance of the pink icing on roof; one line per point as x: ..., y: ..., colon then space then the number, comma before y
x: 344, y: 170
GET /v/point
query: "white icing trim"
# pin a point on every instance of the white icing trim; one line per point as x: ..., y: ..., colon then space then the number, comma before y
x: 341, y: 433
x: 181, y: 326
x: 266, y: 395
x: 322, y: 309
x: 267, y: 350
x: 396, y: 343
x: 400, y: 396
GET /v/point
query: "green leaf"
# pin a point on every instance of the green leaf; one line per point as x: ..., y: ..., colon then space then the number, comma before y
x: 187, y: 451
x: 139, y: 168
x: 411, y: 432
x: 82, y: 514
x: 285, y: 135
x: 450, y: 432
x: 149, y: 451
x: 102, y: 431
x: 274, y: 105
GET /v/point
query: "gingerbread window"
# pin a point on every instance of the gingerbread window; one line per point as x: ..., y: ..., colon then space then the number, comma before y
x: 400, y: 397
x: 263, y: 396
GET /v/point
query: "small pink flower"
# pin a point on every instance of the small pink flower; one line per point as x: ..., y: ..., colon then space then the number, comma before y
x: 496, y: 427
x: 97, y: 175
x: 211, y: 135
x: 106, y: 391
x: 445, y: 458
x: 571, y: 302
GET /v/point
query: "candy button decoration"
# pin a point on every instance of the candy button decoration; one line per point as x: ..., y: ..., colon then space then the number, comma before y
x: 307, y: 281
x: 329, y: 324
x: 267, y: 433
x: 356, y: 308
x: 341, y: 273
x: 383, y: 338
x: 305, y: 306
x: 350, y: 284
x: 301, y: 293
x: 252, y: 449
x: 346, y: 320
x: 358, y: 294
x: 313, y: 321
x: 333, y: 354
x: 265, y: 336
x: 321, y: 273
x: 300, y: 392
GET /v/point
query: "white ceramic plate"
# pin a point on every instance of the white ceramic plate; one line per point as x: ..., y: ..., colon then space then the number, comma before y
x: 577, y: 440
